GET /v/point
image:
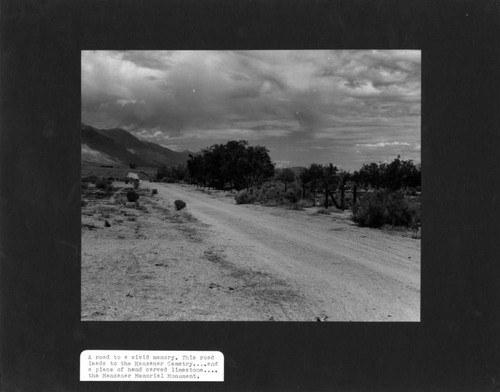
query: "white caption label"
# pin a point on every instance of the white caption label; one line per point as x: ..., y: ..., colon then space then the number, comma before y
x: 147, y: 365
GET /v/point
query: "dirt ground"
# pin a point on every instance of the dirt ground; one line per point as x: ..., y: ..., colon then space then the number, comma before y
x: 217, y: 261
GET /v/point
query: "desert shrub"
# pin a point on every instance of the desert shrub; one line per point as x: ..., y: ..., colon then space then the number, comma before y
x: 108, y: 188
x: 132, y: 196
x: 369, y: 212
x: 385, y: 208
x: 101, y: 183
x: 292, y: 195
x: 294, y: 207
x: 270, y: 193
x: 305, y: 203
x: 179, y: 205
x: 91, y: 179
x: 245, y: 198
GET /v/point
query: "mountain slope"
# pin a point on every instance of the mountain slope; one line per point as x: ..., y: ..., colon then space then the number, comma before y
x: 121, y: 147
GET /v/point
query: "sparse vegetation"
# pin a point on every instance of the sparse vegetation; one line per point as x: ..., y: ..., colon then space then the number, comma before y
x: 378, y: 194
x: 101, y: 183
x: 104, y: 184
x: 132, y: 196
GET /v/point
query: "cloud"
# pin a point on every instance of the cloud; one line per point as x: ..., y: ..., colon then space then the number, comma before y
x: 382, y: 144
x: 290, y: 100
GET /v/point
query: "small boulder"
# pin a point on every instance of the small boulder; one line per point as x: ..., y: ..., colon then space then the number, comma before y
x: 179, y: 205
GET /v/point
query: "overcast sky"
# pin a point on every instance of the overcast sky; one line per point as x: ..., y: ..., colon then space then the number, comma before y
x: 344, y: 107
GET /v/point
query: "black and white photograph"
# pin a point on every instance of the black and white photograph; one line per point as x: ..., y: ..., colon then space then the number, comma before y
x: 238, y: 184
x: 258, y: 185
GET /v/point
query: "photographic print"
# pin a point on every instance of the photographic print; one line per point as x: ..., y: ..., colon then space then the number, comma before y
x: 266, y: 185
x: 250, y: 191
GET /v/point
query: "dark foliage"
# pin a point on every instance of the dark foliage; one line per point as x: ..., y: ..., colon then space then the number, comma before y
x: 386, y: 208
x: 172, y: 174
x: 245, y: 197
x: 396, y: 175
x: 101, y: 183
x: 286, y: 176
x: 233, y: 165
x: 323, y: 178
x: 132, y: 196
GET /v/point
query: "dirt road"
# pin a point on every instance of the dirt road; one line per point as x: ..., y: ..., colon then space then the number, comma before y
x: 219, y: 261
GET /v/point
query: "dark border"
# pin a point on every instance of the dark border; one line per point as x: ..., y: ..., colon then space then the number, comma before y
x: 455, y: 347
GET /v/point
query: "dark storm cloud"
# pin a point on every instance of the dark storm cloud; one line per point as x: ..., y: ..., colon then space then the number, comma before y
x: 306, y: 105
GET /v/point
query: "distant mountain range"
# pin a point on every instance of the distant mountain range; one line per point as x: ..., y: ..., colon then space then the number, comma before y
x: 117, y: 147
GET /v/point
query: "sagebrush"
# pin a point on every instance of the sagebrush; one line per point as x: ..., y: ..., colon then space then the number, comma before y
x: 386, y: 208
x: 245, y: 197
x: 132, y: 196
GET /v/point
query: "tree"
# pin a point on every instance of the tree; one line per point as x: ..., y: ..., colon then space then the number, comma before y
x: 395, y: 175
x: 196, y: 168
x: 162, y: 172
x: 286, y: 176
x: 257, y: 166
x: 234, y: 164
x: 323, y: 177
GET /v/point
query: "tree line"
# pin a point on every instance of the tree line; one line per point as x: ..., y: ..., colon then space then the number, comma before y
x: 393, y: 176
x: 236, y: 165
